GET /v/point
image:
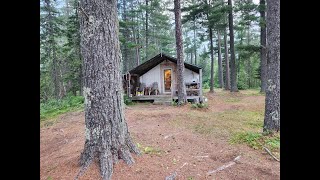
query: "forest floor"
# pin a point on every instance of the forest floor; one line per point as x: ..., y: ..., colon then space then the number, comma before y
x: 188, y: 141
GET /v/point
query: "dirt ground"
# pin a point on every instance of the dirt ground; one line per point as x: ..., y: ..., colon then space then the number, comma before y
x: 190, y: 142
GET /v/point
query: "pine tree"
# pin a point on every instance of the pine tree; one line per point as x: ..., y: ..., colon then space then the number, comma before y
x: 182, y: 95
x: 272, y: 105
x: 233, y: 73
x: 107, y: 136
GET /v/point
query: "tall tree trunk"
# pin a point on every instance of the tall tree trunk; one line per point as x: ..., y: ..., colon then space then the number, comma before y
x: 212, y: 61
x: 263, y: 44
x: 191, y: 57
x: 147, y: 32
x: 182, y: 95
x: 249, y: 59
x: 220, y: 70
x: 239, y: 58
x: 194, y: 41
x: 106, y: 135
x: 234, y: 87
x: 126, y: 62
x: 136, y: 40
x: 226, y: 54
x: 272, y: 110
x: 52, y: 50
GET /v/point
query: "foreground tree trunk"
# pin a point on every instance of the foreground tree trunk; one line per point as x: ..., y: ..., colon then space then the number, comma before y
x: 221, y: 83
x: 226, y: 54
x: 182, y: 95
x: 272, y: 107
x: 234, y: 87
x: 106, y: 132
x: 263, y: 43
x: 212, y: 62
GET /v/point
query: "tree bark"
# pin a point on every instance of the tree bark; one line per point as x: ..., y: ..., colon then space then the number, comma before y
x: 272, y: 105
x: 226, y: 54
x: 263, y: 43
x: 212, y: 62
x: 182, y: 95
x: 106, y: 133
x: 194, y: 41
x: 234, y: 87
x: 220, y: 70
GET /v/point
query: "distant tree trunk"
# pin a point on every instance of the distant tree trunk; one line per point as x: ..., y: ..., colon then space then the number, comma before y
x: 263, y: 43
x: 249, y: 60
x: 234, y: 87
x: 52, y: 50
x: 194, y: 41
x: 106, y: 133
x: 221, y: 83
x: 191, y: 60
x: 212, y: 61
x: 147, y: 32
x: 126, y: 35
x: 226, y: 54
x: 182, y: 95
x: 272, y: 105
x: 136, y: 39
x: 239, y: 58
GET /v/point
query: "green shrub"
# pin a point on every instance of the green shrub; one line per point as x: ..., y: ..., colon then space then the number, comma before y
x: 127, y: 100
x: 199, y: 105
x: 174, y: 103
x: 206, y: 85
x: 242, y: 85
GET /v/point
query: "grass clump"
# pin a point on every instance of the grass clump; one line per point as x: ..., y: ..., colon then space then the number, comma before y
x: 257, y: 140
x: 199, y: 105
x: 149, y: 150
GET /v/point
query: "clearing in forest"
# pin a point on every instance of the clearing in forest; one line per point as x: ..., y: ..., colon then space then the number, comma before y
x: 196, y: 143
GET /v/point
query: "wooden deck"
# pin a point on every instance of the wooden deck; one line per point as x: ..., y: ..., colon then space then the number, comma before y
x: 162, y: 99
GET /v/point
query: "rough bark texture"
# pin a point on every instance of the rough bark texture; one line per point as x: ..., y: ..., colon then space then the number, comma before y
x: 182, y: 95
x: 194, y: 40
x: 263, y: 43
x: 272, y: 111
x: 221, y: 83
x: 226, y: 54
x: 234, y: 87
x: 106, y: 133
x: 212, y: 62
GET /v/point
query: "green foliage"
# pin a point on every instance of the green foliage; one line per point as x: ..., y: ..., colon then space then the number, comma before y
x: 199, y: 105
x: 242, y: 85
x: 206, y: 85
x: 149, y: 150
x: 127, y: 100
x: 174, y: 103
x: 53, y: 107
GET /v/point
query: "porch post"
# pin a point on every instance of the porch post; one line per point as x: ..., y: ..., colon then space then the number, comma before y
x: 200, y: 88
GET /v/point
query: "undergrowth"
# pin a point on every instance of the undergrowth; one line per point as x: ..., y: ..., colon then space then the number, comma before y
x: 257, y: 140
x: 54, y: 107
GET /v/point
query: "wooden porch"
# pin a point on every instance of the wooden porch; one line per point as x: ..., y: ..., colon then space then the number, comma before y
x: 163, y: 99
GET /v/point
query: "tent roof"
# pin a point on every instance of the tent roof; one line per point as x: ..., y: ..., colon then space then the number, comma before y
x: 153, y: 62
